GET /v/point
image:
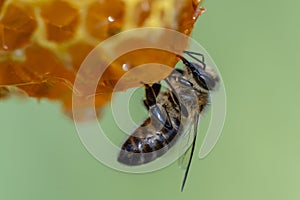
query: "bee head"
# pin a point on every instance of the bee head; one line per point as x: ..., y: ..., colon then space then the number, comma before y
x: 204, y: 76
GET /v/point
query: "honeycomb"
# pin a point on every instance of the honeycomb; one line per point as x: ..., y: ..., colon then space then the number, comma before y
x: 44, y: 42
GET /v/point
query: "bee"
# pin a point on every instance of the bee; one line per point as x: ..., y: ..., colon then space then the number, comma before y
x: 184, y: 102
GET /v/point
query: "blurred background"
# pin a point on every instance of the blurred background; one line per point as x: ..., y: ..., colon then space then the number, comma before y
x: 255, y: 45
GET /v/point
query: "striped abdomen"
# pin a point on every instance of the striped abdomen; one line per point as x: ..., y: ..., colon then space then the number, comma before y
x: 149, y: 141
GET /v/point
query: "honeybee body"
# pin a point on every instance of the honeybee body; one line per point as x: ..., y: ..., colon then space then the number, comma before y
x: 169, y: 111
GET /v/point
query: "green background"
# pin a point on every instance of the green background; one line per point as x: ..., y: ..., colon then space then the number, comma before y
x: 256, y: 46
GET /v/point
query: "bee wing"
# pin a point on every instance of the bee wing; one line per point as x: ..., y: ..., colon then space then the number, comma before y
x: 186, y: 141
x: 188, y: 155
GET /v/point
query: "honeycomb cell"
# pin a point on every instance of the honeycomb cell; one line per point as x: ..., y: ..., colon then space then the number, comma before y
x: 1, y: 3
x: 9, y: 74
x: 4, y: 92
x: 53, y: 90
x: 61, y: 19
x: 43, y: 65
x: 16, y: 27
x: 104, y: 20
x: 45, y: 75
x: 142, y: 11
x: 36, y: 90
x: 78, y: 52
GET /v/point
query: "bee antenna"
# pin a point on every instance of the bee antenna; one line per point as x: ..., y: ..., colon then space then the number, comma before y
x: 191, y: 155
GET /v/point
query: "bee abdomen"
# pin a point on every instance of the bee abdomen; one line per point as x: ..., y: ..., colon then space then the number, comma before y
x: 145, y: 146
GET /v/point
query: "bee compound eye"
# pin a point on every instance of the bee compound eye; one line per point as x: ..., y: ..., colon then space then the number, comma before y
x: 210, y: 82
x: 206, y: 81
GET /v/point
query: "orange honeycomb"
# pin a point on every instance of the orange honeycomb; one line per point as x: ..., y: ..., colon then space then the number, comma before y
x: 44, y: 42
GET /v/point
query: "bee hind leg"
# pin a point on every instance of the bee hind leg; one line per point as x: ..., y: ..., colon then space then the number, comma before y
x: 151, y: 94
x: 156, y: 111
